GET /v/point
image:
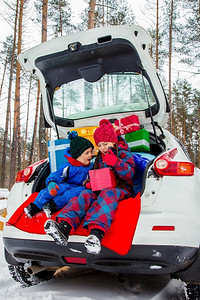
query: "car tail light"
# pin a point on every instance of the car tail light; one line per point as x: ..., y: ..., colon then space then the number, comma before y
x: 75, y: 260
x: 26, y: 174
x: 163, y: 228
x: 165, y: 166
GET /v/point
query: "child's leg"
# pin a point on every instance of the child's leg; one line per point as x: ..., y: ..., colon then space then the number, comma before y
x: 35, y: 207
x: 43, y: 197
x: 62, y: 200
x: 101, y: 214
x: 75, y: 210
x: 99, y: 217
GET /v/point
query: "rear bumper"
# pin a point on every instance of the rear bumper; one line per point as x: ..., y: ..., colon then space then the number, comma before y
x: 141, y: 259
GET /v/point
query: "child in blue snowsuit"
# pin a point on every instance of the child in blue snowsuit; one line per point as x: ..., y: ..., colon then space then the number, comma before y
x: 97, y: 209
x: 67, y: 181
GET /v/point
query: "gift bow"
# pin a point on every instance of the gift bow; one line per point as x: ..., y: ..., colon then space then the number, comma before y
x: 121, y: 128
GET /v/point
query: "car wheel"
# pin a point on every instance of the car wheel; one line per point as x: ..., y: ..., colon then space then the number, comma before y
x: 20, y: 275
x: 192, y: 291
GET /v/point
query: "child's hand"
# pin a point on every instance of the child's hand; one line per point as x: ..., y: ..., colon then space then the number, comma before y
x: 52, y: 188
x: 88, y: 185
x: 110, y: 158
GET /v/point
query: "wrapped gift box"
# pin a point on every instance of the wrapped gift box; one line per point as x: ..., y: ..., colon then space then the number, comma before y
x: 87, y: 132
x: 102, y: 178
x: 138, y: 140
x: 56, y: 150
x: 126, y: 125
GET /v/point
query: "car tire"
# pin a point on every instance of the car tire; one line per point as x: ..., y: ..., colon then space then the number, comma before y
x: 192, y: 291
x: 20, y: 275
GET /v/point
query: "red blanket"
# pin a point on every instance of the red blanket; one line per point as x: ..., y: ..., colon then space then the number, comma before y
x: 118, y: 239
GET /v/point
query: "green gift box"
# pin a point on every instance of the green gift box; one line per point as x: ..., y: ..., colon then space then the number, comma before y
x: 138, y: 140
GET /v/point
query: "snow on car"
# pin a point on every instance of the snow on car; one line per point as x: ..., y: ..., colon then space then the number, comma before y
x: 85, y: 77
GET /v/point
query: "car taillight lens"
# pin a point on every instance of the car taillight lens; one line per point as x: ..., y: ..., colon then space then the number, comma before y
x: 26, y: 174
x: 165, y: 166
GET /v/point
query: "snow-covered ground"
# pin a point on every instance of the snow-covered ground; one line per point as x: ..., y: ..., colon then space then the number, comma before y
x: 91, y: 285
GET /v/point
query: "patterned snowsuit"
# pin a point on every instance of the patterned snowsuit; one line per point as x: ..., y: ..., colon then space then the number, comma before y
x: 69, y: 177
x: 98, y: 210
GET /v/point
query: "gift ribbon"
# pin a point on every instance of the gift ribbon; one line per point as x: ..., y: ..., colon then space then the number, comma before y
x: 121, y: 128
x: 52, y: 148
x: 138, y: 143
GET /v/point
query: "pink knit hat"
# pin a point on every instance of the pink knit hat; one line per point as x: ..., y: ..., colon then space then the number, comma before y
x: 105, y: 132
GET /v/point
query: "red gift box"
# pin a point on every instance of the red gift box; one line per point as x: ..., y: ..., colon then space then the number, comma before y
x: 102, y: 178
x: 127, y: 124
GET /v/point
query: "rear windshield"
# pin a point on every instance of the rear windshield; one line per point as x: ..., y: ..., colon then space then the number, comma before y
x: 113, y: 93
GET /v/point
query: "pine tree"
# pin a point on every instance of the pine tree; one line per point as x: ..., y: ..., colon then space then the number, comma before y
x: 16, y: 139
x: 12, y: 64
x: 58, y: 16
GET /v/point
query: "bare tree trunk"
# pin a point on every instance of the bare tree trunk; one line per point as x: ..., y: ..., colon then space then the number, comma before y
x: 60, y: 11
x: 33, y: 144
x: 42, y: 130
x: 198, y: 164
x: 91, y: 14
x: 16, y: 143
x: 157, y: 33
x: 3, y: 77
x: 3, y: 165
x: 27, y: 123
x: 170, y: 64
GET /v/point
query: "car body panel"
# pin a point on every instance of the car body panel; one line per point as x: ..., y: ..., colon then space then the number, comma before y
x: 141, y: 42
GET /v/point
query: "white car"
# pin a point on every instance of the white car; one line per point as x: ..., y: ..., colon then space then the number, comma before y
x: 85, y: 77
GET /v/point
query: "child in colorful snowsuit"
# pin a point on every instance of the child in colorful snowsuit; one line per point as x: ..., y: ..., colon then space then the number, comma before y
x: 97, y: 209
x: 67, y: 181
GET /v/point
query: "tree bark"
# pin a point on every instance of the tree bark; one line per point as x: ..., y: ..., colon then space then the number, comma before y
x: 91, y: 14
x: 33, y: 144
x: 170, y: 65
x: 16, y: 142
x: 157, y: 32
x: 42, y: 130
x: 5, y: 149
x: 27, y: 123
x: 60, y: 12
x: 3, y: 77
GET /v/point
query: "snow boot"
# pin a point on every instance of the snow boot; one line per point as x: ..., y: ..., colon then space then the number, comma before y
x: 49, y: 208
x: 58, y: 231
x: 93, y: 241
x: 31, y: 210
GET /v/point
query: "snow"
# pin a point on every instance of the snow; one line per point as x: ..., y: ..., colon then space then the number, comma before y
x: 4, y: 193
x: 78, y: 284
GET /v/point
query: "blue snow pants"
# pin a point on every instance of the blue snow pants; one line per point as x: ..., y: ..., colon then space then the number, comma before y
x: 64, y: 194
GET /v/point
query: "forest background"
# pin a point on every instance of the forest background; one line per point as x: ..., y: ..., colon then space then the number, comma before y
x: 175, y: 28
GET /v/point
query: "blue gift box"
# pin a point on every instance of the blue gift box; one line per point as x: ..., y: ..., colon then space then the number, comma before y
x: 56, y: 150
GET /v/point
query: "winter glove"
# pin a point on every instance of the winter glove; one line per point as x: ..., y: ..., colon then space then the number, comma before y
x: 52, y: 188
x: 110, y: 158
x: 88, y: 185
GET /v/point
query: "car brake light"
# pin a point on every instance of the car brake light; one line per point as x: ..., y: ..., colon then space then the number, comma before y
x: 163, y: 228
x: 26, y: 174
x: 165, y: 166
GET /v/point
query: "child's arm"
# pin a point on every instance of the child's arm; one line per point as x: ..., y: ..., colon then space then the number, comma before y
x: 124, y: 165
x: 56, y: 176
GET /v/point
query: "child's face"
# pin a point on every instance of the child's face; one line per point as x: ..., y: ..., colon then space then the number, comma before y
x: 104, y: 146
x: 86, y: 156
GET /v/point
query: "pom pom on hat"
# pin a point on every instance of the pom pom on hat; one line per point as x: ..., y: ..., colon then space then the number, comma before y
x: 72, y: 135
x: 78, y: 144
x: 105, y: 132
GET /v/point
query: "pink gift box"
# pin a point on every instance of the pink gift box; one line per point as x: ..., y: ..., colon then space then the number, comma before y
x: 102, y: 178
x: 127, y: 124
